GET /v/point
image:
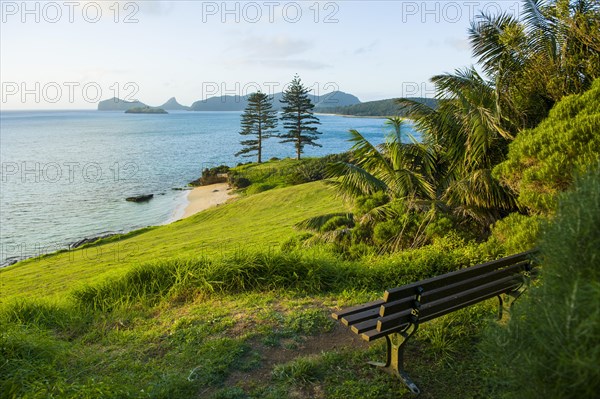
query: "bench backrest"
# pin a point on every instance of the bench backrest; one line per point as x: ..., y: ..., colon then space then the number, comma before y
x: 437, y: 296
x: 428, y: 299
x: 453, y: 277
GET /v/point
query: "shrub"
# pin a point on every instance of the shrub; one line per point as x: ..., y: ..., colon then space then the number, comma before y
x: 513, y: 234
x: 296, y: 242
x: 336, y: 222
x: 314, y: 169
x: 362, y: 233
x: 238, y: 181
x: 385, y: 232
x: 212, y: 176
x: 439, y: 227
x: 542, y: 162
x: 359, y: 251
x: 365, y: 204
x: 549, y: 349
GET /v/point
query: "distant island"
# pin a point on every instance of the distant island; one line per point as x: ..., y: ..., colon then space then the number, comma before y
x: 239, y: 103
x: 382, y: 108
x: 146, y: 110
x: 116, y: 104
x: 336, y: 102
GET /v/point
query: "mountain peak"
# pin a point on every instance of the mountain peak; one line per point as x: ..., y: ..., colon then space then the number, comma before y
x: 173, y: 105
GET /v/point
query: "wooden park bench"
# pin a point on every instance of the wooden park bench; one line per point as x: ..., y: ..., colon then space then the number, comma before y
x: 398, y: 315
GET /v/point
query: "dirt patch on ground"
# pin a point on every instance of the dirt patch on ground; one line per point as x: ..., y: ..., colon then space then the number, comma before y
x: 339, y: 338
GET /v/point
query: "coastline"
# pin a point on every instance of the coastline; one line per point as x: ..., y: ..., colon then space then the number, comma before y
x: 197, y: 200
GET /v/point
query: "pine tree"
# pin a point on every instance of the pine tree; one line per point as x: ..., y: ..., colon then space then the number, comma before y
x: 297, y: 116
x: 259, y: 119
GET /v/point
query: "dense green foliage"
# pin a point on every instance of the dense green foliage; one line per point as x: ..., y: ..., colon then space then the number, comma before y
x: 385, y: 108
x: 552, y: 51
x: 298, y: 117
x: 543, y: 162
x: 399, y: 190
x: 550, y: 346
x: 256, y: 178
x: 531, y: 63
x: 259, y: 120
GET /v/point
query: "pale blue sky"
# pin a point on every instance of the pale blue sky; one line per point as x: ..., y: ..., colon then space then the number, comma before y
x: 372, y: 49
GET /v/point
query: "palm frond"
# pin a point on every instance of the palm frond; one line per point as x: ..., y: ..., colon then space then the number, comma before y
x: 352, y: 180
x: 365, y: 154
x: 316, y: 223
x: 382, y: 212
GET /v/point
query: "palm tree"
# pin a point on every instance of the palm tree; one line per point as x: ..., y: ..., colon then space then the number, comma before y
x: 401, y: 170
x: 466, y: 132
x: 407, y: 172
x: 553, y: 52
x: 530, y: 65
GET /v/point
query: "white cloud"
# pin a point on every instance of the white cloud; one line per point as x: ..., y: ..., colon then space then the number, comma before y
x: 273, y: 47
x: 458, y: 44
x: 366, y: 49
x: 298, y: 64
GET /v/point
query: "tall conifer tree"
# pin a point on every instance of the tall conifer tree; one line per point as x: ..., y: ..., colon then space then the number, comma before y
x: 297, y: 116
x: 259, y: 120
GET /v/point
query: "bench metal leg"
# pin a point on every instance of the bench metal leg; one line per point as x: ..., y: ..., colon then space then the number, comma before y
x: 395, y: 357
x: 511, y: 298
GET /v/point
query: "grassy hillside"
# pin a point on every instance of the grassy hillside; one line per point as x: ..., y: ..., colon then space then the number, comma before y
x: 208, y: 308
x: 258, y: 222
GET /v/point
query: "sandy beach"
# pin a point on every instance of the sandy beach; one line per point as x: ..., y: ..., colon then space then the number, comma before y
x: 204, y: 197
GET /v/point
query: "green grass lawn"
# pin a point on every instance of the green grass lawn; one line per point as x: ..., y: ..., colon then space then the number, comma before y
x: 247, y: 341
x: 257, y: 222
x: 254, y: 345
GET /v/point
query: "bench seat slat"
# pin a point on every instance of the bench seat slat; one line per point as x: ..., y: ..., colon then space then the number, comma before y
x: 357, y: 309
x: 364, y: 326
x: 372, y: 335
x: 453, y: 277
x: 362, y: 316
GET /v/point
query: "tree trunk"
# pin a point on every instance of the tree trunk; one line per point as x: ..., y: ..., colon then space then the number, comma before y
x: 299, y: 133
x: 259, y: 142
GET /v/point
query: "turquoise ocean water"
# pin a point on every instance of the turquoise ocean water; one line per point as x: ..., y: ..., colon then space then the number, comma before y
x: 66, y: 174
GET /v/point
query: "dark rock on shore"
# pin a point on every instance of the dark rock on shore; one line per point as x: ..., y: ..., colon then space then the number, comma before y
x: 140, y: 198
x: 11, y: 261
x: 89, y: 240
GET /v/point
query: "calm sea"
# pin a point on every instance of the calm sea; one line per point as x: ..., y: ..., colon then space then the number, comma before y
x: 66, y: 174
